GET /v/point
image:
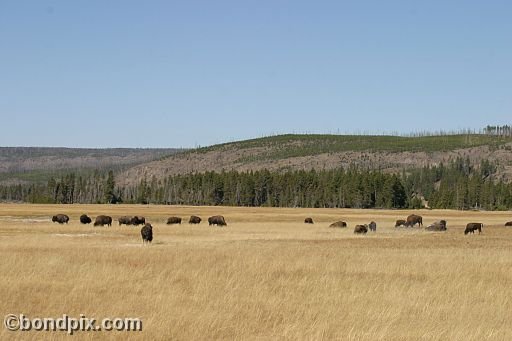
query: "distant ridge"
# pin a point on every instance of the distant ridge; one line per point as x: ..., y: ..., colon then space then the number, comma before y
x: 35, y: 164
x: 391, y: 154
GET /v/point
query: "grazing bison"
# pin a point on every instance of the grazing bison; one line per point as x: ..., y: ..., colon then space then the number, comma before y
x: 147, y: 233
x: 372, y: 226
x: 472, y: 227
x: 103, y: 220
x: 60, y: 218
x: 173, y: 220
x: 400, y: 222
x: 85, y: 219
x: 361, y: 229
x: 308, y: 221
x: 414, y: 219
x: 339, y: 224
x: 437, y: 226
x: 125, y: 220
x: 194, y: 219
x: 138, y: 221
x: 508, y: 223
x: 217, y: 220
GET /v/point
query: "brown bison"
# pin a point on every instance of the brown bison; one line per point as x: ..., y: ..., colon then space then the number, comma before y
x: 508, y: 223
x: 103, y: 220
x: 217, y: 220
x: 437, y: 226
x: 340, y: 224
x: 372, y: 226
x: 60, y: 218
x: 361, y: 229
x: 125, y: 220
x: 147, y: 233
x: 308, y: 221
x: 173, y: 220
x: 194, y: 219
x: 414, y: 219
x: 85, y: 219
x: 472, y: 227
x: 400, y: 222
x: 138, y: 221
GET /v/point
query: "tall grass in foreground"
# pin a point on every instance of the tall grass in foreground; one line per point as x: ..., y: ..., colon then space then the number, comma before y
x: 266, y: 276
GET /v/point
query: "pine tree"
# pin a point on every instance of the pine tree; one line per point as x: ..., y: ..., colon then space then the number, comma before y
x: 108, y: 189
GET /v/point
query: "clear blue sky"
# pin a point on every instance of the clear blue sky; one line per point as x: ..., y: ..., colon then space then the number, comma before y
x: 186, y: 73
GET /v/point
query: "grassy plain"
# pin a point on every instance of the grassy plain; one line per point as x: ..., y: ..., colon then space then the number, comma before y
x: 267, y: 275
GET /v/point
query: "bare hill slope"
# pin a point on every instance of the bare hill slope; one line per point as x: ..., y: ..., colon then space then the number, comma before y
x: 389, y: 153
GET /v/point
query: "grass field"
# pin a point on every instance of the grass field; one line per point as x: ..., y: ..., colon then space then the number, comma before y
x: 267, y: 275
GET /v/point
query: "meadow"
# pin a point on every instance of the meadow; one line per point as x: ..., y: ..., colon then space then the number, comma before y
x: 267, y: 275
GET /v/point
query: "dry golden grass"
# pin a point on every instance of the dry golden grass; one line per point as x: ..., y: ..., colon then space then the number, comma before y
x: 267, y: 275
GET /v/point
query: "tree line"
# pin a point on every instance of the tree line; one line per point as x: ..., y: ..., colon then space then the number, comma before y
x: 457, y: 185
x: 504, y: 130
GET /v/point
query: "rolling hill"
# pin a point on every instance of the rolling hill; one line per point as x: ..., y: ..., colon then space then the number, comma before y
x: 283, y: 152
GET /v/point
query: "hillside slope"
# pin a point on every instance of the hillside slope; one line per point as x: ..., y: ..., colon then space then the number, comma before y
x: 34, y: 164
x: 389, y: 153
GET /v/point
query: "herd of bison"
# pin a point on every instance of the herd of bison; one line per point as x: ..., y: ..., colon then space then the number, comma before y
x: 146, y: 230
x: 218, y: 220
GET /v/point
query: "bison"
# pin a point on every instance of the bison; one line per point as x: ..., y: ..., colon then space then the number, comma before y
x: 414, y: 219
x: 85, y: 219
x: 103, y: 220
x: 217, y: 220
x: 125, y: 220
x: 340, y: 224
x: 147, y: 233
x: 194, y: 219
x: 372, y: 226
x: 472, y: 227
x: 173, y: 220
x: 400, y: 222
x: 361, y: 229
x: 437, y: 226
x: 60, y: 218
x: 308, y: 221
x: 138, y: 221
x: 508, y: 223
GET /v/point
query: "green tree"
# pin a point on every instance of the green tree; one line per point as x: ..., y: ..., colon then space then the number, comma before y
x: 108, y: 190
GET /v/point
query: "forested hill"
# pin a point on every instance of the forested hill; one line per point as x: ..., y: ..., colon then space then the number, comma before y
x: 391, y: 154
x: 38, y: 164
x: 465, y: 171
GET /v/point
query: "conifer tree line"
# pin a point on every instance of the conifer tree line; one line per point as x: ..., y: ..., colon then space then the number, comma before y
x: 504, y: 130
x: 457, y: 185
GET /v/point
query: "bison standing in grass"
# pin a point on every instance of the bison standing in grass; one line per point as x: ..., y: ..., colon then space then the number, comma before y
x: 125, y: 220
x: 103, y: 220
x: 437, y: 226
x: 339, y: 224
x: 508, y: 223
x: 308, y: 221
x: 138, y: 221
x: 147, y: 233
x: 400, y: 223
x: 194, y: 219
x: 173, y: 220
x: 472, y: 227
x: 60, y: 218
x: 372, y: 226
x: 414, y: 219
x: 85, y: 219
x: 361, y: 229
x: 217, y: 220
